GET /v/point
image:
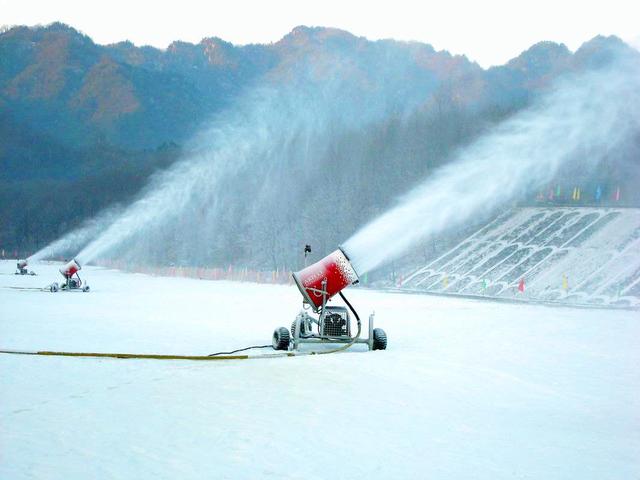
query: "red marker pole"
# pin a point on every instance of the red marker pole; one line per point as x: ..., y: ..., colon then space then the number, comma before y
x: 521, y: 285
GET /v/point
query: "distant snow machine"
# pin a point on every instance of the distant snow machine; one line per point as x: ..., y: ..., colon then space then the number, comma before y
x: 72, y: 280
x: 318, y: 283
x: 22, y: 268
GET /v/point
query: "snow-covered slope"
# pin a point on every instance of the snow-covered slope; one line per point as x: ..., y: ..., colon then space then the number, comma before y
x: 571, y: 255
x: 467, y: 389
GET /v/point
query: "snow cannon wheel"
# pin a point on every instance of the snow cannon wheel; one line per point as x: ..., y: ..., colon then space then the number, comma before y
x: 379, y: 339
x: 86, y: 288
x: 280, y: 339
x: 303, y: 329
x: 53, y: 287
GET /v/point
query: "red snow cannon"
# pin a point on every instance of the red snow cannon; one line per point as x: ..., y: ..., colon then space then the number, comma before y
x: 22, y: 268
x: 72, y: 280
x: 318, y: 283
x: 70, y: 269
x: 325, y: 278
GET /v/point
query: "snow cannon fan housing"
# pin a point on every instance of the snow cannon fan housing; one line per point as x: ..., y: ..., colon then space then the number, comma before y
x: 325, y: 278
x: 70, y: 269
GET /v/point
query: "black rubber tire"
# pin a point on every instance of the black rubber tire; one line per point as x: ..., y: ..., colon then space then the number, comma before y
x: 280, y: 339
x: 53, y: 287
x: 86, y: 288
x: 379, y: 339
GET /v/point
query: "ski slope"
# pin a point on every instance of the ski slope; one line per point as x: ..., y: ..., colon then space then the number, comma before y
x: 571, y: 255
x: 466, y: 389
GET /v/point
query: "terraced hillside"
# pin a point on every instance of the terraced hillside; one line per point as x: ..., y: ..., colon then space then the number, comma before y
x: 570, y: 255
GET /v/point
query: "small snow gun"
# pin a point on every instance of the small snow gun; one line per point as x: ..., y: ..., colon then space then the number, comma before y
x: 72, y: 280
x: 318, y: 283
x: 22, y: 268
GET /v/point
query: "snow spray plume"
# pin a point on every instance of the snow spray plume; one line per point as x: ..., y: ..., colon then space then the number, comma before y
x: 582, y: 119
x: 67, y: 245
x: 273, y: 125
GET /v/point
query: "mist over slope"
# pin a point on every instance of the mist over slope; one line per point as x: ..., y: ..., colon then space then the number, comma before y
x: 300, y: 141
x: 584, y: 120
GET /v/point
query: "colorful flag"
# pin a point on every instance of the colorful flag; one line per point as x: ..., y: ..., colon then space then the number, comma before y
x: 565, y: 282
x: 598, y: 193
x: 521, y: 285
x: 445, y: 281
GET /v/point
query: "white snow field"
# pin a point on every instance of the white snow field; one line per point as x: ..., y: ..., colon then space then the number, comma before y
x: 468, y: 389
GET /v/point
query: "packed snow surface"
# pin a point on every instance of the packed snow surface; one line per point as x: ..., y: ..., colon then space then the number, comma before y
x: 466, y: 389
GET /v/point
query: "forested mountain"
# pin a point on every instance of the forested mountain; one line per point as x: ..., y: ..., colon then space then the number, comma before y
x: 56, y: 81
x: 83, y: 126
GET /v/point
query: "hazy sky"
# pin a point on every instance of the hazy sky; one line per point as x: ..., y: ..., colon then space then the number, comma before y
x: 488, y: 31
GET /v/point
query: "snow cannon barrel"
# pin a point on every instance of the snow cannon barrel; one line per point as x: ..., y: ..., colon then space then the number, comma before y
x: 22, y: 264
x: 70, y: 269
x: 325, y: 278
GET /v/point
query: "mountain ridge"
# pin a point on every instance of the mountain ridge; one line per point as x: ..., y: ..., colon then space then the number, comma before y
x: 94, y: 122
x: 93, y: 91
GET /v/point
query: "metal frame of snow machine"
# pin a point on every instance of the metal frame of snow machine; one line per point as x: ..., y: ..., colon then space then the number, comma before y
x: 70, y: 283
x: 333, y: 327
